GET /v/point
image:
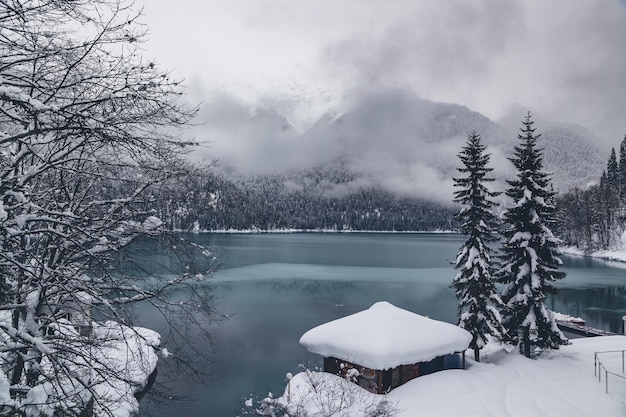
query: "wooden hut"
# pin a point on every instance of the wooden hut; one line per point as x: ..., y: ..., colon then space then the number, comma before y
x: 385, y: 346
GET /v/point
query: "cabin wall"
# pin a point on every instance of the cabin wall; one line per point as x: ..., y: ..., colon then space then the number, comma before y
x: 409, y: 372
x: 382, y: 381
x: 369, y: 379
x: 331, y: 365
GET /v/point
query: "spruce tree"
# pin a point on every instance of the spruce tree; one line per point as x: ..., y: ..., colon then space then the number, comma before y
x: 474, y: 285
x: 613, y: 190
x: 602, y: 211
x: 529, y: 252
x: 622, y: 170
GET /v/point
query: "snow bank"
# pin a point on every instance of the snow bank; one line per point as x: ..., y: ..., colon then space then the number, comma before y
x: 129, y: 353
x: 152, y: 223
x: 116, y: 360
x: 610, y: 255
x: 568, y: 318
x: 559, y: 383
x: 385, y: 336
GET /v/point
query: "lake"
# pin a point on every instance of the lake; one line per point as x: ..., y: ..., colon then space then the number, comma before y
x: 275, y: 287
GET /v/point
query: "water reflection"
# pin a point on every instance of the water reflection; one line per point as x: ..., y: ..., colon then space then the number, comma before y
x: 601, y: 307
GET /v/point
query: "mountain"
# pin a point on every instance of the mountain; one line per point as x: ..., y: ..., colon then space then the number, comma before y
x: 409, y: 145
x: 385, y: 163
x: 402, y: 143
x: 574, y: 155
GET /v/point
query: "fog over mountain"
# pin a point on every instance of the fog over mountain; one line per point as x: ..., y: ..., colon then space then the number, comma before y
x: 391, y: 139
x: 565, y: 59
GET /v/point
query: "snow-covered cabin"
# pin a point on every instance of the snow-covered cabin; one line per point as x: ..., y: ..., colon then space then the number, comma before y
x: 385, y: 346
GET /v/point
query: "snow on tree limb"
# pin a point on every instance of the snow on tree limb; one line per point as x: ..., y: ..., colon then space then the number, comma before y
x: 88, y: 133
x: 474, y: 284
x: 528, y: 257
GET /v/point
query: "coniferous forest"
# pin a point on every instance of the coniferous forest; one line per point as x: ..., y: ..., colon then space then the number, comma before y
x: 528, y: 259
x: 594, y: 218
x: 318, y: 199
x: 326, y: 198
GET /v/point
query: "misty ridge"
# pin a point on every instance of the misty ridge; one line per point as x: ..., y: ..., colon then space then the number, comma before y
x: 389, y: 140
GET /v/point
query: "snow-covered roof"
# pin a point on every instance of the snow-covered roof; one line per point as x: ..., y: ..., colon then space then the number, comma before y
x: 385, y: 336
x: 551, y: 385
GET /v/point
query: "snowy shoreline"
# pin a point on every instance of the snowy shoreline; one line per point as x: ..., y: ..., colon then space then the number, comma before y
x: 607, y: 255
x: 288, y: 231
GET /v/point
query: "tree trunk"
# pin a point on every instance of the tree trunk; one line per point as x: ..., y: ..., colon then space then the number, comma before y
x: 526, y: 342
x: 477, y: 354
x: 18, y: 369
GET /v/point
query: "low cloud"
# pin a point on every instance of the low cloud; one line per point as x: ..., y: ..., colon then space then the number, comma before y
x: 251, y: 140
x: 568, y: 61
x: 390, y: 139
x: 379, y: 62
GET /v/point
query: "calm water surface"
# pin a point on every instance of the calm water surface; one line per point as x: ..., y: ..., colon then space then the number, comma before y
x: 275, y: 287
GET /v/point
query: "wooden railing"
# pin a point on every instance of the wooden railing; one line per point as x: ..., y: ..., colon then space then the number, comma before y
x: 598, y: 367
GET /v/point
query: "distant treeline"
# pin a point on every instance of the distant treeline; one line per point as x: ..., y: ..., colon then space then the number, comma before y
x: 595, y: 218
x: 333, y: 198
x: 310, y: 200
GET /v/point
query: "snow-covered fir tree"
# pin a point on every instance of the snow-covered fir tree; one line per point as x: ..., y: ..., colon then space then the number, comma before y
x: 622, y: 170
x: 613, y: 186
x: 474, y: 284
x: 529, y: 253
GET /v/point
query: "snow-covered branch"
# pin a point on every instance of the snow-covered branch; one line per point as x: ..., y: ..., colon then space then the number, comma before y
x: 87, y: 134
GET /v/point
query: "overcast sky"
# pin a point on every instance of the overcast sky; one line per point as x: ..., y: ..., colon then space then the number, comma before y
x: 565, y: 59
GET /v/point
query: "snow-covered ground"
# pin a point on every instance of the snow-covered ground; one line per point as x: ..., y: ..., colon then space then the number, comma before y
x: 611, y: 255
x: 557, y: 383
x: 122, y: 360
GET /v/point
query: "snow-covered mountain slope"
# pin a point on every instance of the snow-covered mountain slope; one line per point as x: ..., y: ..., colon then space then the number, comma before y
x: 396, y: 141
x: 409, y: 145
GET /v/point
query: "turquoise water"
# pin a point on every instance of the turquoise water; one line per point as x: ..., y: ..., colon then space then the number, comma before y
x: 274, y: 287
